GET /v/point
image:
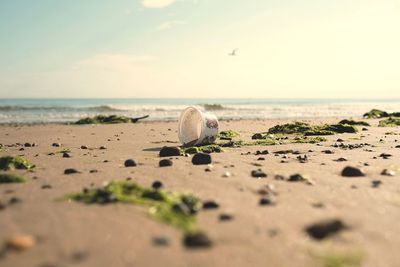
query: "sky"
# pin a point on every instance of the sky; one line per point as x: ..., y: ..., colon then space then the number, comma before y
x: 180, y: 48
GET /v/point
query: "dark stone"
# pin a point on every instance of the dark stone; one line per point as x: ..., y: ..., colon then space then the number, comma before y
x: 165, y: 163
x: 27, y: 145
x: 225, y: 217
x: 14, y: 200
x: 66, y: 155
x: 264, y: 201
x: 2, y: 206
x: 376, y: 183
x: 84, y: 147
x: 352, y: 172
x: 103, y: 147
x: 261, y: 158
x: 201, y: 159
x: 258, y: 174
x: 93, y: 171
x: 46, y: 186
x: 56, y: 144
x: 324, y: 229
x: 264, y: 152
x: 385, y: 155
x: 197, y: 240
x: 328, y: 151
x: 130, y: 163
x: 297, y: 178
x: 70, y: 171
x: 160, y: 241
x: 388, y: 172
x: 170, y: 151
x: 340, y: 140
x: 157, y: 185
x: 210, y: 205
x: 341, y: 159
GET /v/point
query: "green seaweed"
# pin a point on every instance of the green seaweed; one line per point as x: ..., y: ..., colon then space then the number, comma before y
x: 111, y: 119
x: 389, y: 122
x: 376, y: 114
x: 9, y: 163
x: 64, y: 150
x: 308, y: 140
x: 341, y: 260
x: 203, y: 149
x: 176, y: 209
x: 353, y: 122
x: 6, y: 178
x: 228, y: 134
x: 309, y: 130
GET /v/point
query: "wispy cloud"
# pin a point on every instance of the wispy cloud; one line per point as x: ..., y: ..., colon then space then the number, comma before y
x: 169, y: 24
x: 157, y: 3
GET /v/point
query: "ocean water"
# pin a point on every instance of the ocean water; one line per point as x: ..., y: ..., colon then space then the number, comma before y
x: 69, y: 110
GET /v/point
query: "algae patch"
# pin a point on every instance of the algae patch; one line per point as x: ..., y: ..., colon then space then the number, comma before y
x: 10, y: 163
x: 377, y: 114
x: 228, y: 134
x: 6, y: 178
x: 111, y: 119
x: 309, y: 130
x: 353, y: 122
x: 176, y: 209
x: 389, y: 122
x: 203, y: 149
x: 341, y: 260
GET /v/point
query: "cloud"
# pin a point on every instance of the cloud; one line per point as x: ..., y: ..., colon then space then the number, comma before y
x: 157, y: 3
x: 169, y: 24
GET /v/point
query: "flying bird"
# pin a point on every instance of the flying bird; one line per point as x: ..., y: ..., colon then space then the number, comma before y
x: 233, y: 53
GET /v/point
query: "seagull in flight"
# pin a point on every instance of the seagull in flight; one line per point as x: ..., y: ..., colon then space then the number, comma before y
x: 233, y: 53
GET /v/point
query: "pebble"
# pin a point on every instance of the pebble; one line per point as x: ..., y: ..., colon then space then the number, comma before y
x: 197, y: 240
x: 161, y: 241
x: 66, y: 155
x: 264, y: 152
x: 261, y: 158
x: 324, y: 229
x: 130, y: 163
x: 165, y: 163
x: 27, y: 145
x: 46, y: 186
x: 264, y: 201
x: 157, y: 185
x: 341, y: 159
x: 223, y: 217
x: 84, y: 147
x: 201, y: 159
x: 93, y: 171
x: 376, y: 183
x: 258, y: 174
x: 70, y: 171
x: 103, y: 147
x: 388, y: 172
x: 328, y: 151
x: 227, y: 174
x: 14, y: 200
x: 352, y: 172
x: 211, y: 204
x: 56, y: 144
x: 385, y: 155
x: 20, y: 242
x: 170, y: 151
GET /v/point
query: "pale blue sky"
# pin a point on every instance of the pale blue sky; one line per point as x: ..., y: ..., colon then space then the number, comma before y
x: 167, y: 48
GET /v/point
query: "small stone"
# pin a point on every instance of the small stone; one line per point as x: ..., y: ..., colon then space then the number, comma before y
x: 170, y: 151
x: 165, y: 163
x: 66, y: 155
x: 103, y: 147
x: 364, y: 129
x: 161, y: 241
x: 261, y: 158
x: 46, y: 186
x: 70, y: 171
x: 211, y: 204
x: 264, y: 152
x: 201, y: 159
x: 352, y: 172
x: 264, y: 201
x: 157, y: 185
x: 130, y: 163
x: 197, y: 240
x: 385, y: 155
x: 27, y: 145
x: 20, y: 242
x: 2, y: 206
x: 14, y: 200
x: 328, y: 151
x: 341, y: 159
x: 376, y: 183
x: 324, y: 229
x: 223, y: 217
x: 340, y: 140
x: 388, y: 172
x: 258, y: 174
x: 227, y: 174
x: 84, y: 147
x: 93, y: 171
x: 56, y: 144
x: 279, y: 177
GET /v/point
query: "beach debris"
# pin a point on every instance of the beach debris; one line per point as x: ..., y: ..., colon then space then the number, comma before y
x: 203, y: 149
x: 197, y: 240
x: 309, y: 130
x: 388, y: 172
x: 20, y: 242
x: 201, y: 159
x: 170, y: 151
x: 112, y: 119
x: 376, y: 183
x: 350, y: 171
x: 130, y: 163
x: 389, y: 122
x: 376, y: 114
x: 302, y: 159
x: 210, y: 204
x: 165, y: 163
x: 10, y: 163
x: 157, y: 185
x: 326, y: 228
x: 6, y: 178
x: 353, y: 122
x: 258, y: 174
x: 228, y: 134
x: 70, y: 171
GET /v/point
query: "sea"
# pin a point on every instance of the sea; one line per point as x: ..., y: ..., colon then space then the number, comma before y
x: 32, y: 111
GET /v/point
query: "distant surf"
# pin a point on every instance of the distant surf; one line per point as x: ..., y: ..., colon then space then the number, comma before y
x: 69, y: 110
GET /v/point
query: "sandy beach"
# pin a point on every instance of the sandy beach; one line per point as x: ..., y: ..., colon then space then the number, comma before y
x: 242, y: 232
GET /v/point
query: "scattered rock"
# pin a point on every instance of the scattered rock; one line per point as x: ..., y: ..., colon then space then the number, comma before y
x: 264, y: 201
x: 227, y: 175
x: 14, y: 200
x: 264, y: 152
x: 385, y: 155
x: 170, y: 151
x: 27, y: 145
x: 84, y: 147
x: 130, y: 163
x: 20, y: 242
x: 165, y: 163
x: 157, y: 185
x: 302, y: 159
x: 324, y: 229
x: 197, y: 240
x: 70, y: 171
x: 201, y: 159
x: 388, y: 172
x: 352, y: 172
x: 56, y: 144
x: 66, y: 155
x: 261, y: 158
x: 211, y: 204
x: 161, y: 241
x: 376, y: 183
x: 258, y: 174
x: 340, y: 159
x: 46, y: 186
x: 103, y: 147
x: 223, y: 217
x: 328, y: 151
x: 279, y: 177
x: 93, y: 171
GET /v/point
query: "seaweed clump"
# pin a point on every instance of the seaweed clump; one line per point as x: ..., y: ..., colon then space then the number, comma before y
x: 389, y: 122
x: 6, y: 178
x: 10, y: 163
x: 376, y: 114
x: 353, y: 122
x: 176, y: 209
x: 228, y: 134
x: 111, y: 119
x: 309, y: 130
x: 203, y: 149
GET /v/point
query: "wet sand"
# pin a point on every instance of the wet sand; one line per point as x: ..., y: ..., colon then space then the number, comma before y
x: 75, y: 234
